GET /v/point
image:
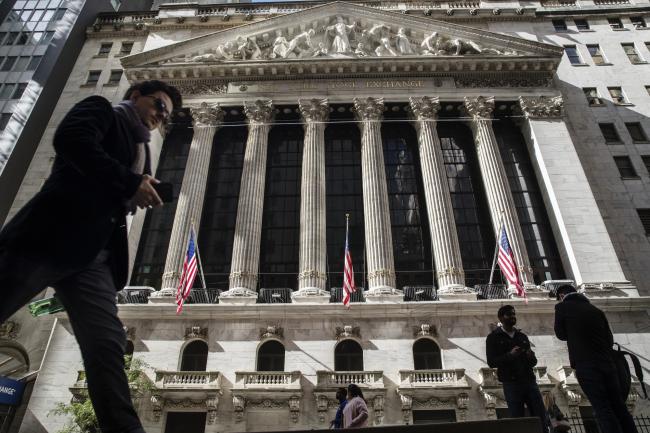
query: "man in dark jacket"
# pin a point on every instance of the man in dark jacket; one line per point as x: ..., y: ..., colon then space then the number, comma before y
x: 72, y: 234
x: 508, y: 350
x: 589, y: 339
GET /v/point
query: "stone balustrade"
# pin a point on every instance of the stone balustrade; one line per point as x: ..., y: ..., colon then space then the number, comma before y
x: 188, y: 380
x: 270, y: 379
x: 489, y: 377
x: 438, y: 378
x: 337, y: 379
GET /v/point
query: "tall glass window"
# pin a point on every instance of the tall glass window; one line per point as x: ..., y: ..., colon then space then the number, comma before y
x: 344, y: 195
x: 195, y: 356
x: 535, y: 225
x: 468, y: 199
x: 409, y: 226
x: 348, y: 356
x: 270, y: 356
x: 157, y: 228
x: 219, y: 216
x: 280, y: 244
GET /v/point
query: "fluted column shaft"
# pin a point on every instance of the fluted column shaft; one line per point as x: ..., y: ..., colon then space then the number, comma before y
x: 248, y: 228
x: 206, y: 120
x: 502, y: 205
x: 379, y: 240
x: 313, y: 246
x: 444, y: 237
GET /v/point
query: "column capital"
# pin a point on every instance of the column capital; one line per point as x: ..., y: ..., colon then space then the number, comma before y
x: 369, y: 108
x: 479, y: 107
x: 542, y: 107
x: 314, y: 110
x: 425, y: 108
x: 259, y: 111
x: 207, y: 115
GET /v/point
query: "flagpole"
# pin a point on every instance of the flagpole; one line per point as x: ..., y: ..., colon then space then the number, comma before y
x: 496, y: 247
x: 198, y: 256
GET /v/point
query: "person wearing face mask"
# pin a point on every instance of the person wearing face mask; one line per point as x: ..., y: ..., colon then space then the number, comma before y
x: 72, y: 234
x: 508, y: 350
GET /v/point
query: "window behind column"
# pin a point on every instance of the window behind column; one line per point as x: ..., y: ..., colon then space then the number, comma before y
x: 536, y: 228
x: 217, y: 230
x: 270, y: 356
x: 468, y: 199
x: 408, y: 217
x: 348, y: 356
x: 157, y: 227
x: 280, y: 243
x: 344, y: 195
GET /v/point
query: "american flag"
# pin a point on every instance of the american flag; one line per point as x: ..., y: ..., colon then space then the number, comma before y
x: 348, y: 272
x: 507, y: 262
x: 189, y: 274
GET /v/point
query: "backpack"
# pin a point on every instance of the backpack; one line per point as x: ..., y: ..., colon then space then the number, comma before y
x: 623, y: 371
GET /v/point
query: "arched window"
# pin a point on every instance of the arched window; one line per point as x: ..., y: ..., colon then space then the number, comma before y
x: 426, y: 355
x: 270, y: 356
x: 195, y: 356
x: 348, y: 356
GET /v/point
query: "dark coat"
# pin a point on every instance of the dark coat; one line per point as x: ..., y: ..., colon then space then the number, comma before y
x: 510, y: 368
x: 585, y: 329
x: 80, y: 209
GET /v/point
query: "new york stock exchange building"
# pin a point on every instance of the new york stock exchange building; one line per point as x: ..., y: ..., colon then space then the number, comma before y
x: 431, y: 124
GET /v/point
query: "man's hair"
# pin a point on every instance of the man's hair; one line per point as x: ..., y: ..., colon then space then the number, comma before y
x: 565, y: 288
x: 355, y: 391
x: 504, y: 310
x: 151, y: 86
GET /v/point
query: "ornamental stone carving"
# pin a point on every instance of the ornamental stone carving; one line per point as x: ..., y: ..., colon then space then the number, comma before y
x: 378, y: 407
x: 348, y: 331
x: 479, y: 107
x: 157, y: 403
x: 201, y: 88
x: 272, y: 331
x: 340, y: 32
x: 314, y: 110
x: 369, y: 108
x: 207, y: 115
x: 425, y: 108
x: 196, y: 332
x: 259, y: 111
x: 425, y: 330
x: 9, y: 329
x: 541, y: 107
x: 294, y: 408
x: 239, y: 404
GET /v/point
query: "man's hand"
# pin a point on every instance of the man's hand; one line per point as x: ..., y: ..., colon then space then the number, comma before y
x: 515, y: 351
x: 146, y: 196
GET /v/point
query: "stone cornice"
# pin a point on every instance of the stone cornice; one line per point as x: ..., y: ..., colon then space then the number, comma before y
x: 219, y: 312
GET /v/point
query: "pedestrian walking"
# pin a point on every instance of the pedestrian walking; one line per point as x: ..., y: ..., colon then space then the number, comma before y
x: 72, y: 234
x: 341, y: 397
x: 509, y: 351
x: 590, y: 342
x: 355, y: 414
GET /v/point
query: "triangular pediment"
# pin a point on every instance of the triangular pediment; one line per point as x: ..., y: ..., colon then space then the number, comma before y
x: 343, y: 32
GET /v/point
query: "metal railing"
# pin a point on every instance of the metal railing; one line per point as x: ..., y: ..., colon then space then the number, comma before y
x: 491, y: 291
x: 203, y: 296
x: 134, y: 295
x: 420, y: 293
x: 336, y: 295
x: 590, y: 425
x: 274, y: 296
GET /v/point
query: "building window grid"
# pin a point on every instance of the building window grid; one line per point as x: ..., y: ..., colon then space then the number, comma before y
x: 644, y: 216
x: 280, y: 238
x: 615, y: 23
x: 593, y: 99
x: 582, y: 24
x: 596, y: 54
x: 573, y: 54
x: 4, y: 120
x: 636, y: 132
x: 617, y: 95
x: 115, y: 77
x: 104, y: 49
x: 93, y: 77
x: 126, y: 48
x: 638, y: 22
x: 646, y: 162
x: 409, y: 226
x: 610, y: 133
x: 625, y: 167
x: 631, y: 53
x: 559, y: 25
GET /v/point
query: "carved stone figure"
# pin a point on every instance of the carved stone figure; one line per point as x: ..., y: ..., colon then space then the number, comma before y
x: 361, y: 51
x: 320, y: 50
x: 247, y: 49
x: 402, y: 43
x: 280, y: 47
x: 340, y: 32
x: 384, y: 49
x: 301, y: 45
x: 438, y: 45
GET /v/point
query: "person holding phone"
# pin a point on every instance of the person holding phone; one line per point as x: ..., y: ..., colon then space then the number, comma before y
x: 72, y: 234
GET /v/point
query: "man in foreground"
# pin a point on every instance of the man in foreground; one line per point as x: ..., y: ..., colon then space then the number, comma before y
x: 508, y: 350
x: 72, y: 234
x: 590, y: 342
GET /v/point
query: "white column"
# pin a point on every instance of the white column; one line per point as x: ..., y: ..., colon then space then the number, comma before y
x: 500, y: 201
x: 379, y: 240
x: 206, y: 119
x: 568, y: 197
x: 444, y: 237
x: 313, y: 247
x: 248, y: 228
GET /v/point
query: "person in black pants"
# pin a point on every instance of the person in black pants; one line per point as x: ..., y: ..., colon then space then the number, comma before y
x: 508, y: 350
x: 72, y: 234
x: 590, y: 341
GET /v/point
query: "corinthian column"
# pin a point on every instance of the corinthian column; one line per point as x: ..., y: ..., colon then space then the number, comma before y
x: 444, y: 237
x: 248, y: 228
x: 206, y: 119
x: 379, y: 240
x: 313, y: 247
x: 502, y: 205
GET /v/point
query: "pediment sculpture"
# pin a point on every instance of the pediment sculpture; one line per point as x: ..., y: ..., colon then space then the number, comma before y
x: 342, y: 39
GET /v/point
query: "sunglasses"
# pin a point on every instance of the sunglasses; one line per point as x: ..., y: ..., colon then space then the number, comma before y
x: 160, y: 107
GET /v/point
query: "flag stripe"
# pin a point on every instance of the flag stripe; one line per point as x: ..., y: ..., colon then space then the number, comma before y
x: 507, y: 263
x: 348, y: 273
x: 190, y: 268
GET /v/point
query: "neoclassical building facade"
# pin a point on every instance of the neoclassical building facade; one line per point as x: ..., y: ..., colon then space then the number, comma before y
x: 428, y: 126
